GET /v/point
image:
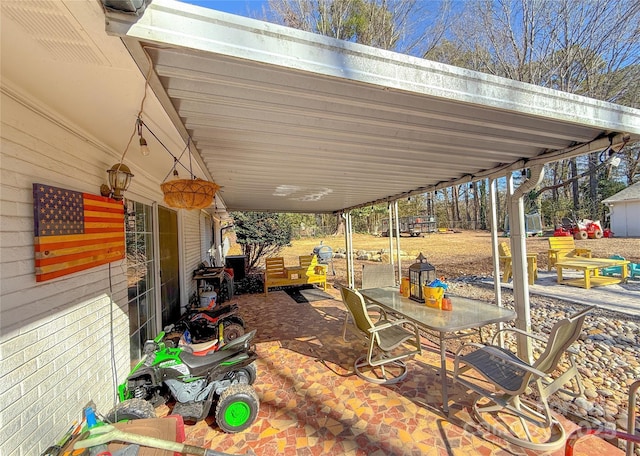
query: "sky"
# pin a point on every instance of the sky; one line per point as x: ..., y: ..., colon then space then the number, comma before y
x: 239, y: 7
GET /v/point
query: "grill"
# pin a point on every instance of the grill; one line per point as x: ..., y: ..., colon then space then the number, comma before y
x: 325, y: 255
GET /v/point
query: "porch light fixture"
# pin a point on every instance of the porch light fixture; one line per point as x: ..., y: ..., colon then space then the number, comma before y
x: 119, y: 180
x: 420, y: 274
x: 144, y: 148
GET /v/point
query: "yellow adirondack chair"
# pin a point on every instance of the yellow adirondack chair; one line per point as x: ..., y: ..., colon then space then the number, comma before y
x: 506, y: 263
x: 561, y: 247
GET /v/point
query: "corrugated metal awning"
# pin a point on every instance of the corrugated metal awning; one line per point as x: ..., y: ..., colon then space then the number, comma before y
x: 290, y: 121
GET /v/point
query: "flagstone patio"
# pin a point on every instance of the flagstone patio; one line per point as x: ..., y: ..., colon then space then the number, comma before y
x: 313, y: 404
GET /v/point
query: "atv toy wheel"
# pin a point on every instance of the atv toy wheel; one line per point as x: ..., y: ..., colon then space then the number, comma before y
x: 237, y: 408
x: 172, y: 339
x: 232, y: 331
x: 248, y: 374
x: 131, y: 409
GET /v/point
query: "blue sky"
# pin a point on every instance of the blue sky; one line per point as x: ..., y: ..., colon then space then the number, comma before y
x: 239, y: 7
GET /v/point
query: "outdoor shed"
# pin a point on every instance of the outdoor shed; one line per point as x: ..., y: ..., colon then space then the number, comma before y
x: 624, y: 210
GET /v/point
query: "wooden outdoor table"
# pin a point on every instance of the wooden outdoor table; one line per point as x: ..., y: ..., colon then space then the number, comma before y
x: 295, y: 272
x: 467, y: 314
x: 591, y: 270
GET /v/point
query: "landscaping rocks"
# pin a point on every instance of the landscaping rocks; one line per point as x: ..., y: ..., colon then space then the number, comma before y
x: 608, y: 356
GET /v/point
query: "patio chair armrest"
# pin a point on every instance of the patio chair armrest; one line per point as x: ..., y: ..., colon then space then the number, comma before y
x: 519, y: 331
x: 375, y: 308
x: 389, y: 324
x: 497, y: 353
x: 583, y: 252
x: 467, y: 344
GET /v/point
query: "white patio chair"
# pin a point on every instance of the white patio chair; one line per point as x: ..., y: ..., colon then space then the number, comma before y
x: 504, y: 411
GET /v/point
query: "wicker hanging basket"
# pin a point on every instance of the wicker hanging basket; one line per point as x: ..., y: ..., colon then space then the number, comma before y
x: 189, y: 193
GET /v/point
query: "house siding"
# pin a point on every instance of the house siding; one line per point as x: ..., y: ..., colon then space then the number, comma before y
x: 55, y: 336
x: 206, y: 236
x: 192, y: 252
x: 624, y: 208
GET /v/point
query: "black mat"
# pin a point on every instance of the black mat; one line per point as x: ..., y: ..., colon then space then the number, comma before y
x: 306, y: 295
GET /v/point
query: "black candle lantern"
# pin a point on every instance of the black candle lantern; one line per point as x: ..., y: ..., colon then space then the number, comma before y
x: 420, y: 274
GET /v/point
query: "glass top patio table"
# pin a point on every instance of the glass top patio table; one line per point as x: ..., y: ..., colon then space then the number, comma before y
x: 466, y: 314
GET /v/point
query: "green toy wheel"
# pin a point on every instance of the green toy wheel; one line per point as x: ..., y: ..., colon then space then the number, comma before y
x: 237, y: 408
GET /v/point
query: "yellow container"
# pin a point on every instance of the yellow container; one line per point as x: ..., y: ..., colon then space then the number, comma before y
x: 433, y: 296
x: 405, y: 286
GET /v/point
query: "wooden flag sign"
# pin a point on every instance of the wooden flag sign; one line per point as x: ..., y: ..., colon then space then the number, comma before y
x: 75, y: 231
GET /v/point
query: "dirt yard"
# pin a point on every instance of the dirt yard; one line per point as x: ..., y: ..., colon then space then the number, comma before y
x: 466, y: 253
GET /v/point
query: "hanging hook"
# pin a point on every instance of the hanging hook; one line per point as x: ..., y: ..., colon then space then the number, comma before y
x: 172, y: 170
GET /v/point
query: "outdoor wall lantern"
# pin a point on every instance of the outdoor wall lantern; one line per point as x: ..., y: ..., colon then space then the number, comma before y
x: 119, y: 180
x: 420, y: 273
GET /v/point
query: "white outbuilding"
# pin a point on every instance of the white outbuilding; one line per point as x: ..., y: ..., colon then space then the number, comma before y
x: 624, y: 209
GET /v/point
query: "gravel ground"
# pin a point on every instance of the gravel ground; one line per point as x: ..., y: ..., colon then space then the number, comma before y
x: 608, y: 354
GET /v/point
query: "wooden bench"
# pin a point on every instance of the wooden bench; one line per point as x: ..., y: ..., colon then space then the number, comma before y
x: 308, y: 271
x: 506, y: 264
x: 562, y: 247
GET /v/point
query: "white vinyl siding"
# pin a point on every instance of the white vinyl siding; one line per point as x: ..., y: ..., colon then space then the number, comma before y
x: 192, y: 249
x: 55, y: 336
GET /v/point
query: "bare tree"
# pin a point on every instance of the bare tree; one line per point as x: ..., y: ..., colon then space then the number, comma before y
x: 590, y: 47
x: 587, y: 47
x: 408, y: 26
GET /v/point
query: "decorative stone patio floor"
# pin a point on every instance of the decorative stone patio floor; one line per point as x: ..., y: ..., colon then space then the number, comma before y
x: 311, y: 403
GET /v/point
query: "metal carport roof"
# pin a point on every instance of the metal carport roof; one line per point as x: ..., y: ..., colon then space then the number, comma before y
x: 290, y: 121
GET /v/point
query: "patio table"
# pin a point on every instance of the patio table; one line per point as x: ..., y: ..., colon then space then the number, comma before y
x: 467, y: 314
x: 591, y: 269
x: 295, y: 272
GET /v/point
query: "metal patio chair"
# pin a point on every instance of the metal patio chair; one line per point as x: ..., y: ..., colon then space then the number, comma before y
x: 373, y: 276
x: 390, y: 343
x: 504, y: 411
x: 378, y: 275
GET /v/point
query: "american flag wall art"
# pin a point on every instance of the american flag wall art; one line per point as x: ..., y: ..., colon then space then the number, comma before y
x: 75, y: 231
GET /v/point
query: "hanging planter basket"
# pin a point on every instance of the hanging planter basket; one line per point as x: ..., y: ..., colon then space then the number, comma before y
x: 189, y: 193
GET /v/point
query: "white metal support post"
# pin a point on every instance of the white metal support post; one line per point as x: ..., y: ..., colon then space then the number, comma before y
x: 494, y: 249
x: 391, y: 231
x: 348, y: 237
x: 395, y: 210
x: 518, y: 235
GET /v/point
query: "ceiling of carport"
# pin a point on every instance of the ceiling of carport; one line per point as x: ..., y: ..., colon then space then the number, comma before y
x: 290, y: 121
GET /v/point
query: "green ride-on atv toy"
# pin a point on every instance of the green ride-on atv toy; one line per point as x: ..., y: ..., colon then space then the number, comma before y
x: 196, y: 379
